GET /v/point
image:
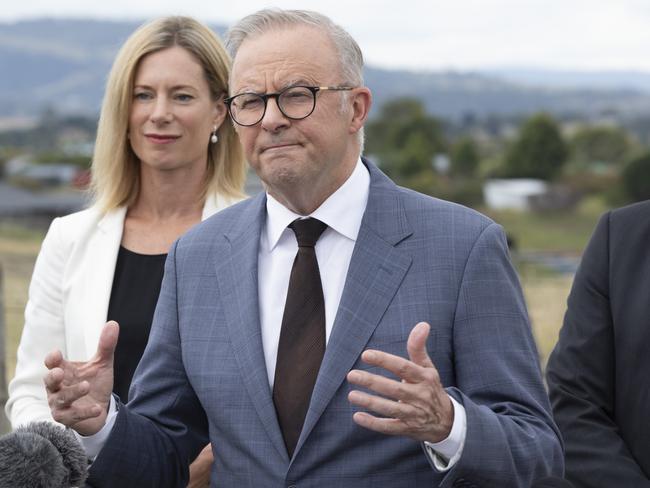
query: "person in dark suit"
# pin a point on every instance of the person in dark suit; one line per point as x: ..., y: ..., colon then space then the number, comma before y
x: 597, y: 373
x: 335, y: 330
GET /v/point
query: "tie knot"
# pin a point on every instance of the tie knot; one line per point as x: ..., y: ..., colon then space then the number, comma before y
x: 307, y: 231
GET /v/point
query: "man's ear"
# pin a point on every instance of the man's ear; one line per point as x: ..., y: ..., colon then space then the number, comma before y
x: 361, y: 103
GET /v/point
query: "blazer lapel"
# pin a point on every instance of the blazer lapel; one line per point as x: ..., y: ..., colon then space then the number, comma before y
x: 215, y: 203
x: 101, y: 256
x: 376, y: 271
x: 236, y: 269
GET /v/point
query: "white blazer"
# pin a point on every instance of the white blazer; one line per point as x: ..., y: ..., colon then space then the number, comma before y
x: 68, y: 300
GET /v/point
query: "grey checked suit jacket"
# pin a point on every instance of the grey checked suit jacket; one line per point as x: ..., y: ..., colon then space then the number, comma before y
x: 203, y: 377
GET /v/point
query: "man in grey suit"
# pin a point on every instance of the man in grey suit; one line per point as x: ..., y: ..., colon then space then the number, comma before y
x: 334, y: 330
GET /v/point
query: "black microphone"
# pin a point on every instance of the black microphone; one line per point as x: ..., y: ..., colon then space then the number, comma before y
x: 42, y: 455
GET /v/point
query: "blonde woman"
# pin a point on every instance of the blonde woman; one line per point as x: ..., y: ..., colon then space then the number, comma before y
x: 165, y: 158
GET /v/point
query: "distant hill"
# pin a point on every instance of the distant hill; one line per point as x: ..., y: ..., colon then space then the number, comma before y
x: 63, y: 64
x: 457, y: 94
x: 551, y: 78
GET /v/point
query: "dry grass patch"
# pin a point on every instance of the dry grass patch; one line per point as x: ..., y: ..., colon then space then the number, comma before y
x: 546, y: 298
x: 18, y: 251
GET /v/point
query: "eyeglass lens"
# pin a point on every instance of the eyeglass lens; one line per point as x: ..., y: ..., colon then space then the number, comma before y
x: 294, y: 102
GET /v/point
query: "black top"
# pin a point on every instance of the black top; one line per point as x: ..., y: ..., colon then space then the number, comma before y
x: 136, y: 286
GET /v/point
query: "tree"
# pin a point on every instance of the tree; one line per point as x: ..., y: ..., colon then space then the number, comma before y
x: 636, y: 178
x: 404, y: 138
x: 609, y: 145
x: 538, y: 152
x: 464, y: 158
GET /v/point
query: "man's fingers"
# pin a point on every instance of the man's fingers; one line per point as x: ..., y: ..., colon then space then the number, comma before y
x: 384, y: 426
x: 417, y: 406
x: 77, y: 392
x: 416, y: 345
x: 397, y: 390
x: 400, y: 367
x: 75, y: 414
x: 108, y: 341
x: 382, y: 406
x: 66, y: 395
x: 53, y: 360
x: 54, y: 379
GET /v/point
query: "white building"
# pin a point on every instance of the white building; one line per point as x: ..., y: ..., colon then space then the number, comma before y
x: 512, y: 194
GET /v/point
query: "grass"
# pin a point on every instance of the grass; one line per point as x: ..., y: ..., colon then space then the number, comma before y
x: 18, y: 249
x: 559, y: 232
x: 19, y: 240
x: 546, y: 295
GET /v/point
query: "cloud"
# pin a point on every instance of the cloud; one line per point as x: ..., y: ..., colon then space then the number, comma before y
x: 576, y: 34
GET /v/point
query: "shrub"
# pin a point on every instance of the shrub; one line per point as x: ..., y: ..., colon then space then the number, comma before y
x: 636, y: 178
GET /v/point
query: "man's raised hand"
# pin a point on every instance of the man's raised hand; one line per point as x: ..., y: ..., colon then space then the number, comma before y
x: 79, y: 393
x: 417, y: 406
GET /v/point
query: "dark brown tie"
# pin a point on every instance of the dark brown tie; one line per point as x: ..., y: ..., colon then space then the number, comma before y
x: 302, y: 338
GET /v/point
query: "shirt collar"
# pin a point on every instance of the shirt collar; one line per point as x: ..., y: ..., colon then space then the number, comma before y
x: 342, y: 211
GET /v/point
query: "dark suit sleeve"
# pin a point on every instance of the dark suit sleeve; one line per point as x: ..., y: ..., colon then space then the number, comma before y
x: 164, y: 427
x: 581, y: 375
x: 511, y: 438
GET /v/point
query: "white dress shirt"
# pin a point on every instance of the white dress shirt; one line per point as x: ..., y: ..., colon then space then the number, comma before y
x: 342, y: 212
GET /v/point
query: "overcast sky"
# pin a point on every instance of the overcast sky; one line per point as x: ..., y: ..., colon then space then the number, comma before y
x: 429, y: 34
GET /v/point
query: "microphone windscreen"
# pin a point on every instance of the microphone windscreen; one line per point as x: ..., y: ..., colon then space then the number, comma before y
x: 73, y: 454
x: 29, y: 460
x: 41, y: 455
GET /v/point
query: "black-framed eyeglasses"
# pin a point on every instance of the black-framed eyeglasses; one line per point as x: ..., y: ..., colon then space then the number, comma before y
x: 295, y: 102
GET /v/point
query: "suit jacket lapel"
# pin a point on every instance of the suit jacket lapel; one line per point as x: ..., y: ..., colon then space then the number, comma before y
x: 236, y: 269
x: 376, y: 271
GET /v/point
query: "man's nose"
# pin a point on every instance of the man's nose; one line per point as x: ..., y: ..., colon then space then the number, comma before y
x: 274, y: 119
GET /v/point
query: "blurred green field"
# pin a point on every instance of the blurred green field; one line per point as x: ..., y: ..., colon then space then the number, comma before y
x: 558, y: 231
x: 18, y: 249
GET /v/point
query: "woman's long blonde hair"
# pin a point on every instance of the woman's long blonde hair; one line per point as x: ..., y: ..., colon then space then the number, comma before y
x: 115, y: 167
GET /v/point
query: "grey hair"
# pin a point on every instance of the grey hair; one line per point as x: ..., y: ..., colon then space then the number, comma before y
x: 268, y: 19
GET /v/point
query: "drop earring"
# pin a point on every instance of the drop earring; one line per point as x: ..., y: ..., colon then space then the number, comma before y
x: 213, y: 137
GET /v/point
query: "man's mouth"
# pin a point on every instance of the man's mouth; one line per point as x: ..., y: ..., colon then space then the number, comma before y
x: 279, y: 146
